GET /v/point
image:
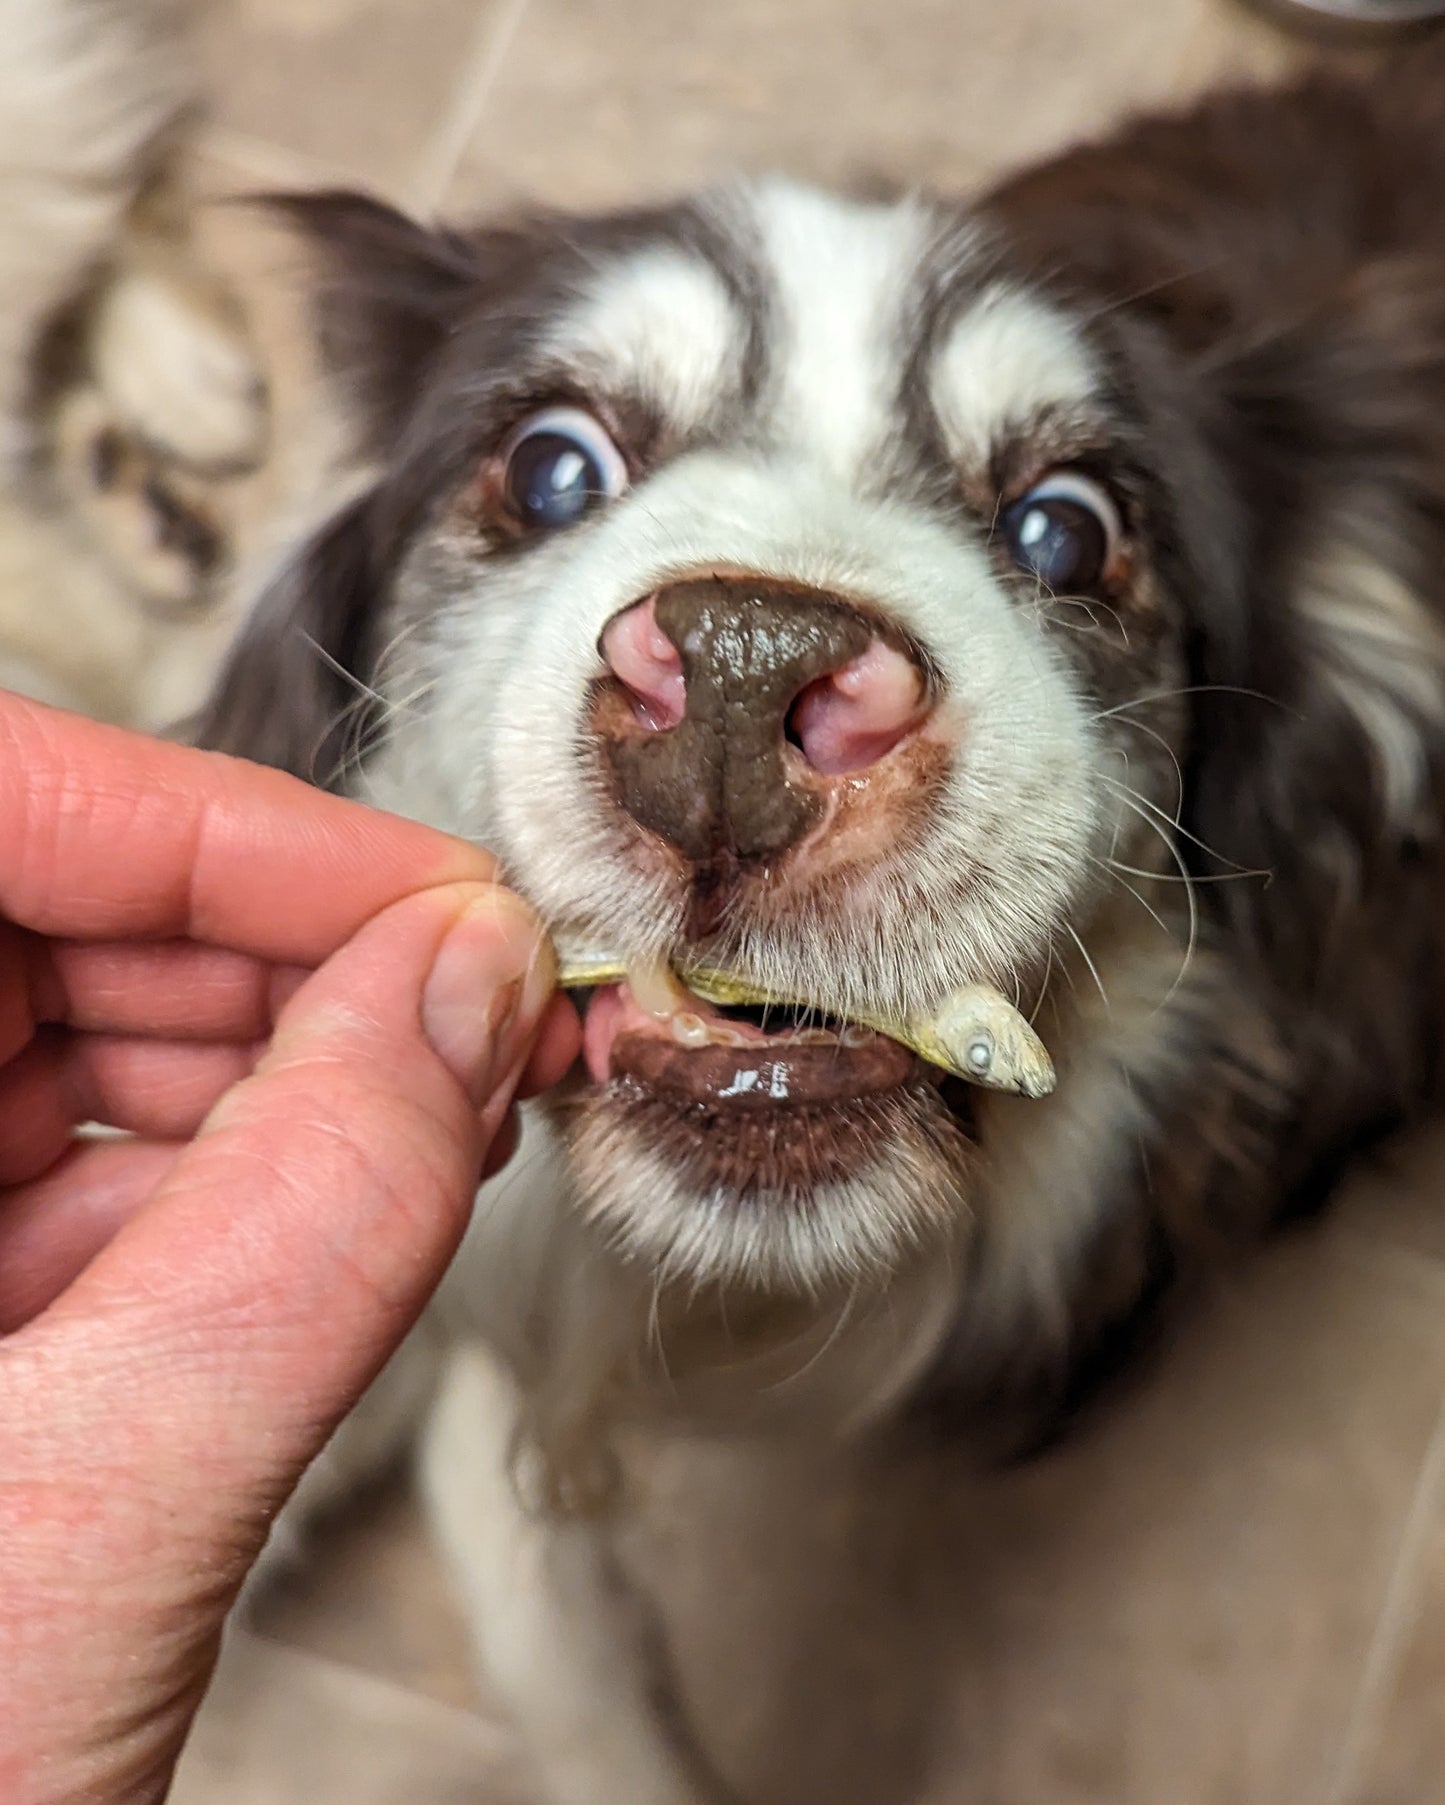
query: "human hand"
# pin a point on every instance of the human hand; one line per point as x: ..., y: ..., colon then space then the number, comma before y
x: 312, y: 1019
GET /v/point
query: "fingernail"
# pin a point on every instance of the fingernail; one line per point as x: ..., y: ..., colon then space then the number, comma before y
x: 488, y: 987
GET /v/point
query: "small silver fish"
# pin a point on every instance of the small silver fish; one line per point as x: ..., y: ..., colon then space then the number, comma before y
x: 975, y: 1033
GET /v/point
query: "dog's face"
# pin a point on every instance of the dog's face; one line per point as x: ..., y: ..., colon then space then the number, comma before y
x: 788, y: 581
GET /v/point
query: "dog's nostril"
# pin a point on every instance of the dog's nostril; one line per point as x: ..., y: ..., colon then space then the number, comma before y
x: 647, y: 664
x: 854, y: 716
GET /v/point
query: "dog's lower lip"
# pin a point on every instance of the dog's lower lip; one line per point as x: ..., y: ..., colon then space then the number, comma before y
x: 764, y: 1076
x: 759, y: 1120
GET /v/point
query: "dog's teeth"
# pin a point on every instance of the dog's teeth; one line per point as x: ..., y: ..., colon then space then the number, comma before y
x: 720, y: 1035
x: 655, y: 988
x: 690, y: 1030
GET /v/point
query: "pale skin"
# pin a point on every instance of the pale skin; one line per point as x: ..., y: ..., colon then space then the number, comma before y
x: 313, y: 1019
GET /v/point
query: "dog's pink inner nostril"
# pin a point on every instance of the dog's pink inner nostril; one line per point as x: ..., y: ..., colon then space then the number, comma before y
x: 642, y: 658
x: 849, y: 720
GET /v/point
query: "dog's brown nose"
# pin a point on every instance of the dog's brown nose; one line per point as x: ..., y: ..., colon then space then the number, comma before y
x: 745, y: 696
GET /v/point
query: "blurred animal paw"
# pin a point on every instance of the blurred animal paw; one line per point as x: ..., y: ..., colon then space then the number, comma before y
x: 155, y: 522
x: 170, y: 352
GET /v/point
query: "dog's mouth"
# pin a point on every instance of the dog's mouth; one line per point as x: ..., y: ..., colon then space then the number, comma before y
x: 744, y: 1058
x: 974, y: 1033
x: 771, y: 1142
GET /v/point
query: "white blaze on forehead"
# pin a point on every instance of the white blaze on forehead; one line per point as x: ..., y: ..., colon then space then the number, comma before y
x: 840, y: 274
x: 1007, y: 360
x: 659, y: 324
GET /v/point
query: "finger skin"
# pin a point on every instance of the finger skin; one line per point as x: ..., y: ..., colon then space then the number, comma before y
x: 17, y: 1020
x: 159, y: 1411
x: 111, y: 835
x: 52, y: 1226
x: 166, y: 989
x: 51, y: 1229
x: 162, y: 1089
x: 557, y: 1049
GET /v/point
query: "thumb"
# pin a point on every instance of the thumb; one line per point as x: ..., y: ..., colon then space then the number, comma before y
x: 157, y: 1414
x: 292, y: 1246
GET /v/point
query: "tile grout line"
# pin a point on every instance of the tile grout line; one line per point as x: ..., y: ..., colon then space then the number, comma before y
x: 1398, y: 1610
x: 440, y: 162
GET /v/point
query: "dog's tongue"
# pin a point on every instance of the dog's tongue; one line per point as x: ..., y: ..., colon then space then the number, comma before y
x: 600, y: 1027
x: 701, y: 1056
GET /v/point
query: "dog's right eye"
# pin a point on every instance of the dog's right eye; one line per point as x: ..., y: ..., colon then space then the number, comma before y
x: 1065, y: 532
x: 557, y: 465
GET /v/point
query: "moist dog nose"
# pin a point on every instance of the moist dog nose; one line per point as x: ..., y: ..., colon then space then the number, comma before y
x: 746, y: 695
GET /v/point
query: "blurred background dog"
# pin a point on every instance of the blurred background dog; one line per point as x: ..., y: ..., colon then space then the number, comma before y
x: 130, y: 396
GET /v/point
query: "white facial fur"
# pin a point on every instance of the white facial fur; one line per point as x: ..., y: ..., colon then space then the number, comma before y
x: 662, y: 325
x: 840, y: 280
x: 504, y: 650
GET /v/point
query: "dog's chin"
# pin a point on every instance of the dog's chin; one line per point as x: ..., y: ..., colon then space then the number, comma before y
x: 786, y: 1163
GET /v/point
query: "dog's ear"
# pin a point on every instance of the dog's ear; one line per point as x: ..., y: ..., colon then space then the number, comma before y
x: 1320, y: 714
x: 385, y: 293
x: 293, y: 690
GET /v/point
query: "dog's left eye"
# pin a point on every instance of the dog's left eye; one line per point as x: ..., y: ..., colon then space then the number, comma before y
x: 1065, y: 531
x: 557, y: 465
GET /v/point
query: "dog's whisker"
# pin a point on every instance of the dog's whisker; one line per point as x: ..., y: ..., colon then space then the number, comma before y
x: 1121, y: 303
x: 1165, y: 835
x: 1114, y: 872
x: 1044, y: 981
x: 339, y: 669
x: 1151, y: 812
x: 1091, y: 607
x: 836, y: 1329
x: 656, y: 1339
x: 1089, y: 963
x: 1173, y: 757
x: 1192, y: 689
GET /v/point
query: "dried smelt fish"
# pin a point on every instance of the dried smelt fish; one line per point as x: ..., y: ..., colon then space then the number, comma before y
x: 975, y: 1033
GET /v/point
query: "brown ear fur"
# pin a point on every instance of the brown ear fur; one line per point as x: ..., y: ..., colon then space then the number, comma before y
x: 388, y: 293
x: 1288, y: 249
x: 385, y: 292
x: 293, y: 692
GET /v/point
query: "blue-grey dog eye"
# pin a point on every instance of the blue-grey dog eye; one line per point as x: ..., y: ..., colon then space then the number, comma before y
x: 1065, y: 531
x: 558, y: 465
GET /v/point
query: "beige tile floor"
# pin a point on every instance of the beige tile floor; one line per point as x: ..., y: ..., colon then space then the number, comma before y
x: 1232, y: 1592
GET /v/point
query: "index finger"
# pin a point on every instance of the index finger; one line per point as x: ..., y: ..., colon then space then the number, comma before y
x: 110, y: 834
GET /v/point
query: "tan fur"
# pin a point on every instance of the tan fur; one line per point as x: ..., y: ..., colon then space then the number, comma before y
x: 109, y: 322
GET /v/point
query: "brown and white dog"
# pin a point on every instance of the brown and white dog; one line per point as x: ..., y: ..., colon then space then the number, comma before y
x: 874, y: 596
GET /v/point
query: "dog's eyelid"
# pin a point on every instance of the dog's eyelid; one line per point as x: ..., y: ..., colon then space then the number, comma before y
x: 633, y: 427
